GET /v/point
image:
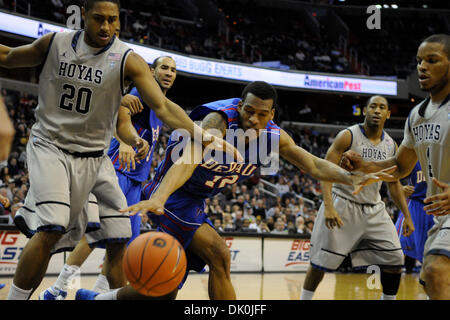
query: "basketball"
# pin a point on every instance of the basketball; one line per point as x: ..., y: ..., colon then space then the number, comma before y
x: 154, y: 264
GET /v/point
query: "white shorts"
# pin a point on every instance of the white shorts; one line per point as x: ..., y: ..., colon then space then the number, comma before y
x: 368, y: 236
x: 64, y: 193
x: 438, y: 241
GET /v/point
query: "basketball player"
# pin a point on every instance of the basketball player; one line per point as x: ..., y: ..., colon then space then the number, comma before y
x: 83, y: 78
x: 365, y: 231
x: 131, y: 176
x: 413, y: 245
x: 6, y: 132
x: 427, y: 139
x: 178, y: 192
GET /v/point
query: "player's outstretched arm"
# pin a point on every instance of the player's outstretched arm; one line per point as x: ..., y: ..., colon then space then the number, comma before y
x: 399, y: 198
x: 181, y: 170
x: 30, y: 55
x: 324, y: 170
x: 405, y: 160
x: 137, y: 70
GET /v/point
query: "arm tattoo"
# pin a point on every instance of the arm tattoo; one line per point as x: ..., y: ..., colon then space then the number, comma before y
x: 215, y: 120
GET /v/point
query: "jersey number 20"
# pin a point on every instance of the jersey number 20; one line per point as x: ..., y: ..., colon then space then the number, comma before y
x: 82, y: 101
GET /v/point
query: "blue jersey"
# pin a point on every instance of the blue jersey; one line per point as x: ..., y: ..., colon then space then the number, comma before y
x: 212, y: 176
x: 148, y: 127
x: 417, y: 180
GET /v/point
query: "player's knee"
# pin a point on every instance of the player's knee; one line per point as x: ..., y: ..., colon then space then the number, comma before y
x: 115, y: 251
x: 49, y: 238
x: 436, y: 272
x: 219, y: 256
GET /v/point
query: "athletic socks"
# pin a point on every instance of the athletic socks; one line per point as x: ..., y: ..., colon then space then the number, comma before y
x: 65, y: 276
x: 306, y: 294
x: 16, y: 293
x: 111, y: 295
x: 388, y: 297
x: 101, y: 285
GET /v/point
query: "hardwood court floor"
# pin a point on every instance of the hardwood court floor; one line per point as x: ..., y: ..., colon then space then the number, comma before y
x: 270, y: 286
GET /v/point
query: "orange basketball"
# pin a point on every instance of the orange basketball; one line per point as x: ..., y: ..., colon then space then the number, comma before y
x: 154, y: 263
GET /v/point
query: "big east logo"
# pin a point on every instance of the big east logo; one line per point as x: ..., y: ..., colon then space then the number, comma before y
x: 10, y: 250
x: 299, y: 253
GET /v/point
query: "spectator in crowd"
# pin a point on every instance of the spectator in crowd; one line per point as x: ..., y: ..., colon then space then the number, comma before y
x: 309, y: 226
x: 279, y: 228
x: 13, y: 212
x: 228, y: 222
x: 245, y: 226
x: 301, y: 227
x: 218, y: 224
x: 145, y: 223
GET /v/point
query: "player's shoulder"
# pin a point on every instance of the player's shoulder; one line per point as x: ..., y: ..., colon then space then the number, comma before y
x: 419, y: 109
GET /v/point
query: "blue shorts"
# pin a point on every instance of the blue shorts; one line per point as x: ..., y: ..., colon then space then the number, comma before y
x: 184, y: 214
x: 413, y: 246
x: 132, y: 190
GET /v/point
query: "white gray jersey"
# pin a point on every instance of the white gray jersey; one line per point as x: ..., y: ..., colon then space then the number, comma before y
x: 369, y: 152
x: 80, y: 89
x: 429, y: 136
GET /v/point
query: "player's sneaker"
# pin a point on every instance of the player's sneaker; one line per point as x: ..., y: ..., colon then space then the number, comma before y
x: 85, y: 294
x: 2, y: 285
x: 53, y: 294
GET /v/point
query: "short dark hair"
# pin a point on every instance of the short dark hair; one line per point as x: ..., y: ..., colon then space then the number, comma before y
x: 155, y: 62
x: 442, y: 38
x: 370, y: 98
x: 89, y: 4
x: 262, y: 90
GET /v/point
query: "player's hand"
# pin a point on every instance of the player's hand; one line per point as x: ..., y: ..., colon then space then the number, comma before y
x: 352, y: 161
x: 151, y: 205
x: 127, y: 157
x: 142, y: 149
x: 361, y: 180
x: 132, y: 103
x: 408, y: 190
x: 212, y: 142
x: 4, y: 201
x: 408, y: 227
x: 332, y: 218
x: 441, y: 205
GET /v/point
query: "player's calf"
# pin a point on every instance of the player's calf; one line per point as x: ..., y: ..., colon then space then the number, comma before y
x: 113, y: 265
x: 209, y: 246
x: 33, y: 264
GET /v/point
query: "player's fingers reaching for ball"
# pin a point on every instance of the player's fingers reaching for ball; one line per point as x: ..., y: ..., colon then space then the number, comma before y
x: 143, y: 207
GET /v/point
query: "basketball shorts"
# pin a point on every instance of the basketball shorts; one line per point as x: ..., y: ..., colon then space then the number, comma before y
x: 438, y: 241
x: 59, y: 200
x: 132, y: 190
x: 368, y: 236
x: 183, y: 215
x: 413, y: 246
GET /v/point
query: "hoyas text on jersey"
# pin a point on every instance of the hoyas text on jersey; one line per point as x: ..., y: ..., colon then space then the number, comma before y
x: 427, y: 132
x: 373, y: 154
x: 80, y: 72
